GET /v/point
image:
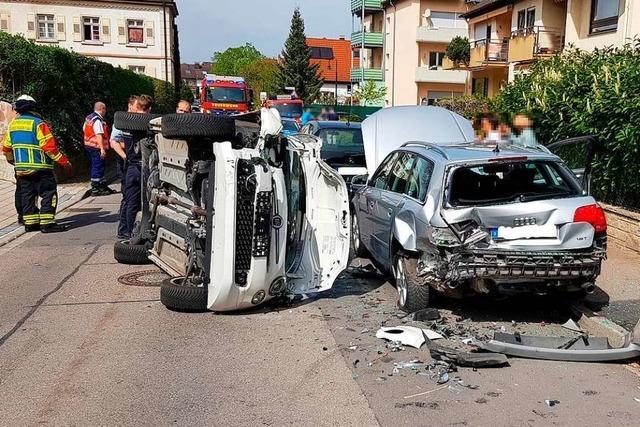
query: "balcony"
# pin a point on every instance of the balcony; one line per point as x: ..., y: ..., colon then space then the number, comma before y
x: 360, y: 74
x: 371, y: 40
x: 439, y: 35
x: 370, y: 6
x: 426, y: 75
x: 488, y: 53
x: 528, y: 44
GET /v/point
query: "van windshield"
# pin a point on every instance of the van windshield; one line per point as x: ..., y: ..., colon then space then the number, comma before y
x: 510, y: 182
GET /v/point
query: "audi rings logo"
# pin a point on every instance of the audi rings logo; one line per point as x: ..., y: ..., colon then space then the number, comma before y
x: 276, y: 222
x: 519, y: 222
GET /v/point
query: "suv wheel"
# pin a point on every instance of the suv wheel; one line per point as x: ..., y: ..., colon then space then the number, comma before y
x: 133, y: 122
x: 126, y: 252
x: 179, y: 294
x: 412, y: 296
x: 358, y: 249
x: 182, y: 126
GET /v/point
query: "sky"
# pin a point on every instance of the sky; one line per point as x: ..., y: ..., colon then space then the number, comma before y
x: 207, y: 26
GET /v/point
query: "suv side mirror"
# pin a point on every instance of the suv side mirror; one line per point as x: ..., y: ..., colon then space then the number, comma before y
x: 360, y: 179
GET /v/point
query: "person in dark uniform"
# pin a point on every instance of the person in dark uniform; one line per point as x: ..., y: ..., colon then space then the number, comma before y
x: 31, y: 148
x: 132, y: 190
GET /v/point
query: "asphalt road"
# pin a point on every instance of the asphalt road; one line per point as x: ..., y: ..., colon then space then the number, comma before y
x: 79, y: 348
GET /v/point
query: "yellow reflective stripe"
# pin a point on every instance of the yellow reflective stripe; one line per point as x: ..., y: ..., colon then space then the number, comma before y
x: 35, y: 165
x: 26, y: 146
x: 54, y: 201
x: 47, y: 222
x: 22, y: 125
x: 31, y: 216
x: 32, y: 159
x: 56, y: 157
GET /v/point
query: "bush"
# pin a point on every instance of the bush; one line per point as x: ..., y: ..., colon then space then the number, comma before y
x: 459, y: 50
x: 468, y: 106
x: 580, y: 93
x: 66, y: 85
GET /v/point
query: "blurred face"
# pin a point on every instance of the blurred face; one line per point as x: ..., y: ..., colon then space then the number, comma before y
x: 102, y: 110
x: 522, y: 121
x: 132, y: 107
x: 485, y: 125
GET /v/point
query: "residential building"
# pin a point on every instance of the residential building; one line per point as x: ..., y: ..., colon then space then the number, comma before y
x: 333, y: 57
x: 508, y: 36
x: 193, y: 74
x: 402, y: 43
x: 138, y: 35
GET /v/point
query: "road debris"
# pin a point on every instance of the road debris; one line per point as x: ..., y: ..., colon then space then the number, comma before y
x: 572, y: 326
x: 552, y: 403
x: 467, y: 359
x: 426, y: 314
x: 426, y: 392
x: 407, y: 335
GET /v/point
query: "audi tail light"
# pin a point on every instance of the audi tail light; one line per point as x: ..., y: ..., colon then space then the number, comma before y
x: 594, y: 215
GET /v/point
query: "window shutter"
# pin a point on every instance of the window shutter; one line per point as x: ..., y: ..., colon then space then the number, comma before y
x: 149, y: 35
x: 61, y: 30
x: 122, y: 31
x: 105, y: 35
x: 77, y: 29
x: 31, y: 27
x: 5, y: 23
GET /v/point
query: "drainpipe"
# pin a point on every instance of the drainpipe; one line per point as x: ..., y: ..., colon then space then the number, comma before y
x: 166, y: 47
x: 393, y: 61
x: 362, y: 45
x: 383, y: 63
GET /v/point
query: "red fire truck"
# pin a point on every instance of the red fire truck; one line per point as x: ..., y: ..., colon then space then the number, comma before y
x: 225, y: 95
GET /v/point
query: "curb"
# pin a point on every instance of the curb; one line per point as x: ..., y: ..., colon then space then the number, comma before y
x: 19, y: 230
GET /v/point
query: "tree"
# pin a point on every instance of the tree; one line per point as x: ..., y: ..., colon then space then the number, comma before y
x: 233, y: 60
x: 370, y: 93
x: 296, y: 69
x: 459, y: 50
x: 261, y: 75
x: 186, y: 93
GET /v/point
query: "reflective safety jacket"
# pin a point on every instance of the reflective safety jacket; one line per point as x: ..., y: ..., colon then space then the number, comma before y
x: 30, y: 146
x: 89, y: 132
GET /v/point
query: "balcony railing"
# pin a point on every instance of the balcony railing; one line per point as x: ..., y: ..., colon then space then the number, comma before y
x: 439, y: 35
x: 359, y: 74
x: 428, y: 75
x: 369, y: 6
x: 370, y: 39
x: 531, y: 43
x: 485, y: 51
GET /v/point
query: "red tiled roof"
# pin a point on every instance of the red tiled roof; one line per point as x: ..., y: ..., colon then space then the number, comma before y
x: 194, y: 71
x: 341, y: 52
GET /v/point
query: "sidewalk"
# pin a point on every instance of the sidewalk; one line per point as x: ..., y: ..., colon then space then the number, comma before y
x: 9, y: 228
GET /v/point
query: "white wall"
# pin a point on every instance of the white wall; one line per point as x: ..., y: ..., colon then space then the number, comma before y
x: 112, y: 47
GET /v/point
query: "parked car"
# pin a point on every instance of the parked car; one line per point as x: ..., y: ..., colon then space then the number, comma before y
x: 235, y: 226
x: 449, y: 214
x: 342, y: 146
x: 290, y: 127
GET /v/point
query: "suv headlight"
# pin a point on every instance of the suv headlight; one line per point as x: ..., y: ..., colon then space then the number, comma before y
x: 442, y: 237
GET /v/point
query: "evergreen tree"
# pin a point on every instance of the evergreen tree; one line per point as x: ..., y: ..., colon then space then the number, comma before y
x: 295, y: 68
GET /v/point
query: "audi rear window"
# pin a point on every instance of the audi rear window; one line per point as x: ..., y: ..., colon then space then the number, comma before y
x: 510, y: 182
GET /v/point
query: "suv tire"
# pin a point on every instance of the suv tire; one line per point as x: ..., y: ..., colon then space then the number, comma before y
x: 133, y: 122
x: 127, y: 253
x: 412, y: 296
x: 176, y: 296
x: 182, y: 126
x: 358, y: 249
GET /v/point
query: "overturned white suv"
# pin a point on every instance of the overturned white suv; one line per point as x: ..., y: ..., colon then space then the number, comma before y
x: 235, y: 213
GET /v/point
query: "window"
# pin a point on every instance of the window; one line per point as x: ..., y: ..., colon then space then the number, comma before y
x: 321, y: 53
x: 521, y: 19
x: 135, y: 31
x: 447, y: 20
x: 137, y: 68
x: 91, y: 29
x: 434, y: 95
x: 435, y: 60
x: 604, y: 15
x: 419, y: 180
x: 480, y: 86
x: 531, y: 17
x: 399, y: 176
x: 46, y: 27
x: 382, y: 175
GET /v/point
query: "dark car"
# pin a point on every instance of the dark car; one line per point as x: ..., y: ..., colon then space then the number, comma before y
x: 342, y: 146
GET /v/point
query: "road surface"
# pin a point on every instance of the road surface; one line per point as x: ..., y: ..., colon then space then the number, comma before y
x: 79, y: 348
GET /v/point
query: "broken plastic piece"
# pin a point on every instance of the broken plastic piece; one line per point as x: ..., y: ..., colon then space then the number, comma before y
x: 583, y: 349
x: 572, y: 326
x: 471, y: 360
x: 552, y: 403
x: 407, y: 335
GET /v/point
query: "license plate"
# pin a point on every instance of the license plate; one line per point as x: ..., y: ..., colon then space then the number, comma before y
x: 525, y: 232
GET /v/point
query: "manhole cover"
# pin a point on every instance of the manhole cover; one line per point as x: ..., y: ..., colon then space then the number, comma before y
x: 143, y: 278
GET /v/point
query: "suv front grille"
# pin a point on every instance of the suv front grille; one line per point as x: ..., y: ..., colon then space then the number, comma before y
x: 262, y: 234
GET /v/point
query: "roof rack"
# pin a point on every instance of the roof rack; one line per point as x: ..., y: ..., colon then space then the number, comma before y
x: 429, y: 145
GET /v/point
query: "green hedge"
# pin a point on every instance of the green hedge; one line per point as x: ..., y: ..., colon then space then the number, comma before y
x: 66, y: 85
x: 580, y: 93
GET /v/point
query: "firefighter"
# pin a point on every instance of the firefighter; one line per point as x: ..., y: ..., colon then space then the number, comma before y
x: 31, y: 148
x: 96, y: 144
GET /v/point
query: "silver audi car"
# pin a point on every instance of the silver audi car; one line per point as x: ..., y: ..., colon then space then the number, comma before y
x: 443, y: 212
